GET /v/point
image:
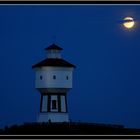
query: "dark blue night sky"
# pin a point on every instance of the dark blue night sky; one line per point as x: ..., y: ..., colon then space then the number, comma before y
x: 106, y: 82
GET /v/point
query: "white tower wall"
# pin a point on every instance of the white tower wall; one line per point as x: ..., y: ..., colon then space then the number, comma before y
x: 53, y: 77
x: 63, y: 103
x: 53, y: 54
x: 44, y: 103
x: 54, y: 117
x: 54, y: 112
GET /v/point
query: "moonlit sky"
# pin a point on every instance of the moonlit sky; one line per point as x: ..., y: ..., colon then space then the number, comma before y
x: 106, y: 82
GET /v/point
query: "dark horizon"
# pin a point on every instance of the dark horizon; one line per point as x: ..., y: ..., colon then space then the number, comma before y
x: 66, y: 128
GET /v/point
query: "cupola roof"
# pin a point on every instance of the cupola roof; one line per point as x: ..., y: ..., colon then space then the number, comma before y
x: 53, y: 47
x: 54, y: 63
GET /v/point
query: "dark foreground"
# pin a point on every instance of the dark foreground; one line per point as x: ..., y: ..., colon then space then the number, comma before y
x: 72, y: 128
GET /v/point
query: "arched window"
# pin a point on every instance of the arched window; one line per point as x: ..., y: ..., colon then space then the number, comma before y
x: 54, y: 76
x: 67, y: 77
x: 41, y: 77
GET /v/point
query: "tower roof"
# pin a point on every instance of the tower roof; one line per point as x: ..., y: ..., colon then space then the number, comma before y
x: 54, y: 63
x: 53, y: 47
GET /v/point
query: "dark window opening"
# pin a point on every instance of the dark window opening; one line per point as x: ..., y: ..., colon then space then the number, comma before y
x: 54, y: 104
x: 67, y: 77
x: 41, y: 77
x: 54, y: 77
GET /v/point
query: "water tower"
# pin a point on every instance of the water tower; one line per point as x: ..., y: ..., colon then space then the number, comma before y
x: 53, y: 79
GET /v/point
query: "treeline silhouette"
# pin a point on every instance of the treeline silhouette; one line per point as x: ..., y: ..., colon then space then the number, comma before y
x: 73, y: 128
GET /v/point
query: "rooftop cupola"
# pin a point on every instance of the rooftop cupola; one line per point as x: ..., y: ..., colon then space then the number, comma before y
x: 53, y: 51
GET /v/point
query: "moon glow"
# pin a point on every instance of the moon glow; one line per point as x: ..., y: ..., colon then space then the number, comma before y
x: 128, y: 22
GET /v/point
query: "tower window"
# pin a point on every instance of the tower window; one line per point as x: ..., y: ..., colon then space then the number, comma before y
x: 54, y: 76
x: 54, y: 104
x: 67, y: 77
x: 41, y: 77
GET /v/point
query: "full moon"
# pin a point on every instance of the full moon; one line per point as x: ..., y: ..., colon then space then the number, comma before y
x: 128, y: 22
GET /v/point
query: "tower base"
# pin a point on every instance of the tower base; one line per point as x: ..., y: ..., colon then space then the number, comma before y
x: 53, y: 117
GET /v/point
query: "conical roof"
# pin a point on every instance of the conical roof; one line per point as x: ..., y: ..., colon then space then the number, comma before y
x: 53, y: 47
x: 54, y: 63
